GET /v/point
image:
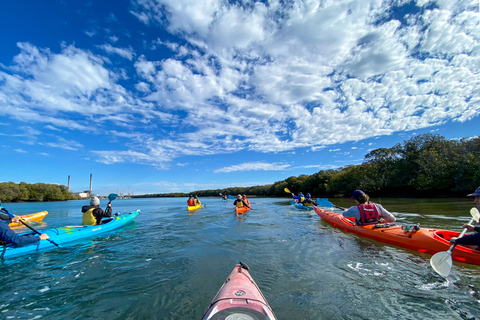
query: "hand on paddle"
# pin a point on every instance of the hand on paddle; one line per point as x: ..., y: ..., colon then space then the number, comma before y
x: 469, y: 228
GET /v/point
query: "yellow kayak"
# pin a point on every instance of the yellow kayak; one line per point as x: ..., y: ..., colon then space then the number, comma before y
x: 196, y: 207
x: 38, y: 216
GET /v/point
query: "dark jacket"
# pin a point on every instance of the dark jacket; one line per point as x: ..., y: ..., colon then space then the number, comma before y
x: 11, y: 237
x: 471, y: 239
x: 98, y: 213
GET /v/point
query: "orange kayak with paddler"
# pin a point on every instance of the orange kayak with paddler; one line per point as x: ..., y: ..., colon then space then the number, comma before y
x: 424, y: 240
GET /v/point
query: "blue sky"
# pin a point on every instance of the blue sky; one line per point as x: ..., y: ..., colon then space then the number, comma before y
x: 182, y: 95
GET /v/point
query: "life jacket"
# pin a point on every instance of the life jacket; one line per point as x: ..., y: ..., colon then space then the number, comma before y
x: 89, y: 218
x: 191, y: 202
x: 239, y: 203
x: 246, y: 200
x: 368, y: 213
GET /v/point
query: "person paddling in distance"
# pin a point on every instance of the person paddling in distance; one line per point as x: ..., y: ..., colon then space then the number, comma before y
x: 8, y: 236
x: 367, y: 212
x: 471, y: 239
x: 239, y: 202
x: 93, y: 214
x: 191, y: 201
x: 244, y: 198
x: 298, y: 198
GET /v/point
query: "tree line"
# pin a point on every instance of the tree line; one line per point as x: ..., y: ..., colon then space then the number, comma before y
x: 427, y: 165
x: 12, y: 192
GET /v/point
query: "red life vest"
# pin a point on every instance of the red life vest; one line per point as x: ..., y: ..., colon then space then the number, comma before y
x: 191, y: 202
x: 368, y: 213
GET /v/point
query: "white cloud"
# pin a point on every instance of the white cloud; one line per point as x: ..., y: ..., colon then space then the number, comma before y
x: 254, y: 166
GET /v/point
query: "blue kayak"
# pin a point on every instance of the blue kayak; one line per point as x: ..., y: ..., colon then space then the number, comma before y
x: 65, y: 235
x: 302, y: 207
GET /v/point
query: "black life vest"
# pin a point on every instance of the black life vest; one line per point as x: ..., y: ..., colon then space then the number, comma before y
x: 368, y: 213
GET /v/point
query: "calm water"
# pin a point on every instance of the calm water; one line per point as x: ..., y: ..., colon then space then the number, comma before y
x: 169, y: 264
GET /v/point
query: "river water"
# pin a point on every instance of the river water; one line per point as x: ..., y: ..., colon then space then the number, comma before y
x: 170, y: 264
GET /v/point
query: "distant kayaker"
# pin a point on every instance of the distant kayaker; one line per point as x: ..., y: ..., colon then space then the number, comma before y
x: 191, y: 201
x: 239, y: 202
x: 366, y: 212
x: 8, y: 236
x: 309, y: 201
x: 197, y: 202
x: 471, y: 239
x: 93, y: 214
x: 299, y: 198
x: 244, y: 198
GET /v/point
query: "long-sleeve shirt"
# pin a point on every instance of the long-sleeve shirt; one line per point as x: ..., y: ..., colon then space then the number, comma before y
x: 11, y: 237
x: 471, y: 239
x: 354, y: 212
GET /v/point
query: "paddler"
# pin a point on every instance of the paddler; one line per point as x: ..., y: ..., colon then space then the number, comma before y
x: 244, y: 198
x: 471, y: 239
x: 366, y: 212
x: 191, y: 201
x: 93, y: 214
x: 239, y: 202
x: 8, y: 236
x: 298, y: 198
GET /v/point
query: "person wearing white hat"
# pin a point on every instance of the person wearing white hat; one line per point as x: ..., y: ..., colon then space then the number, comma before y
x: 93, y: 214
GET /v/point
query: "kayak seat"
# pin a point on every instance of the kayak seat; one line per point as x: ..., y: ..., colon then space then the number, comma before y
x: 239, y: 313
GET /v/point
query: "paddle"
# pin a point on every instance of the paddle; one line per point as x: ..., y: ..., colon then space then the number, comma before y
x: 441, y: 262
x: 231, y: 197
x: 286, y: 190
x: 325, y: 203
x: 111, y: 197
x: 27, y: 225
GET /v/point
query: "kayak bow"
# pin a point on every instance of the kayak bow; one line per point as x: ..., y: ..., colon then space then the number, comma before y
x: 239, y: 298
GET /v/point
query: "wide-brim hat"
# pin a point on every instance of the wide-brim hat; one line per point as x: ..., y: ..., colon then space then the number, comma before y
x: 476, y: 193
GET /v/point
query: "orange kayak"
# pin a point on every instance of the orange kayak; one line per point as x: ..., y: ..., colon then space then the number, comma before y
x: 239, y: 298
x: 38, y: 216
x: 424, y: 240
x: 241, y: 209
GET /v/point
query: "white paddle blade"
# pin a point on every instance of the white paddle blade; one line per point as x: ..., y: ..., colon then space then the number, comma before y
x: 475, y: 214
x: 441, y: 262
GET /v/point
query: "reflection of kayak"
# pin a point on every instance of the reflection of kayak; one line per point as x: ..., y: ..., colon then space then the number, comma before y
x: 239, y: 298
x: 193, y: 208
x: 68, y: 234
x: 424, y: 240
x: 241, y: 209
x: 299, y: 205
x: 38, y: 216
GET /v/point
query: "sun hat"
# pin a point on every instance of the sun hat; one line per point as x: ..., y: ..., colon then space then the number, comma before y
x: 476, y: 193
x: 357, y: 194
x: 94, y: 201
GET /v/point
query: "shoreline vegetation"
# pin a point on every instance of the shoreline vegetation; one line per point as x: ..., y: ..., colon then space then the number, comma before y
x: 425, y: 166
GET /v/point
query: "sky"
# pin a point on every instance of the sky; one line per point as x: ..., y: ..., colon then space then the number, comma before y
x: 183, y: 95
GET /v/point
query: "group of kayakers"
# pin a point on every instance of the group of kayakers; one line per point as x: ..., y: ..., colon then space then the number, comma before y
x: 365, y: 212
x: 92, y: 215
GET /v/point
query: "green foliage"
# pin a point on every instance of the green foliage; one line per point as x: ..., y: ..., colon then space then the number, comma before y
x: 12, y: 192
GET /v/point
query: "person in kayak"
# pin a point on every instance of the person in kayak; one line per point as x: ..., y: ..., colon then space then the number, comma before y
x: 366, y: 212
x: 197, y: 202
x: 299, y: 198
x: 309, y: 201
x: 191, y: 201
x: 93, y: 214
x: 471, y: 239
x: 239, y: 202
x: 8, y: 236
x: 244, y: 197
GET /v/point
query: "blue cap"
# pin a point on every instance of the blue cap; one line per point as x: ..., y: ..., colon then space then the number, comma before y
x: 357, y: 193
x: 476, y: 193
